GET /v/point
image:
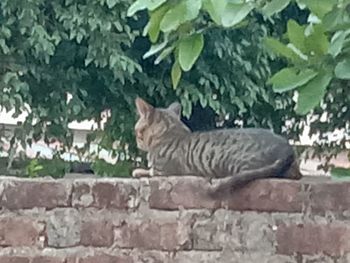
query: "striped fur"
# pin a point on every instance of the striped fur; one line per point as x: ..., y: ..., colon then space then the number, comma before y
x: 238, y: 156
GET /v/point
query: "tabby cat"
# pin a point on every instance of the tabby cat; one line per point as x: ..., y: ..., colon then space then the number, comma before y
x: 237, y: 156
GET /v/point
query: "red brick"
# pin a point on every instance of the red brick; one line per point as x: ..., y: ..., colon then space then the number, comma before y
x: 82, y: 196
x: 106, y: 259
x: 45, y: 259
x: 330, y: 197
x: 103, y: 195
x: 30, y: 194
x: 97, y: 234
x: 268, y: 195
x: 173, y: 193
x: 18, y: 231
x: 152, y: 256
x: 150, y: 235
x: 71, y: 259
x: 13, y: 259
x: 330, y: 239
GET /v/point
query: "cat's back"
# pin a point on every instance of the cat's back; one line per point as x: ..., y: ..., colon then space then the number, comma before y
x: 241, y: 136
x: 226, y: 149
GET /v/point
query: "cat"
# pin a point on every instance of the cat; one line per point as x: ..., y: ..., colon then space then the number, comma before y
x: 237, y: 156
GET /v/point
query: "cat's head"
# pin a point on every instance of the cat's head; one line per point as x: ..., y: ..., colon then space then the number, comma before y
x: 157, y: 124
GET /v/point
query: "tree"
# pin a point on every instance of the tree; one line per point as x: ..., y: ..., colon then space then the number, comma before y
x: 51, y: 48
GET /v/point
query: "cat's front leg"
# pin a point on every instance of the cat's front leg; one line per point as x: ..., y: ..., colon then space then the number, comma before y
x: 139, y: 172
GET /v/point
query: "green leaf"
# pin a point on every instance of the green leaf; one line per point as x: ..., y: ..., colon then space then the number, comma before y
x: 143, y: 4
x: 342, y: 70
x: 154, y: 23
x: 154, y: 4
x: 186, y: 106
x: 135, y: 7
x: 317, y: 41
x: 337, y: 42
x: 166, y: 52
x: 6, y: 32
x: 311, y: 94
x: 275, y: 6
x: 176, y: 74
x: 280, y: 49
x: 340, y: 173
x: 320, y: 7
x: 76, y: 109
x: 333, y: 19
x: 189, y: 50
x: 235, y: 13
x: 4, y: 47
x: 184, y: 11
x: 155, y: 49
x: 215, y: 8
x: 38, y: 168
x: 9, y: 76
x: 289, y: 78
x: 79, y: 37
x: 296, y: 35
x: 111, y: 3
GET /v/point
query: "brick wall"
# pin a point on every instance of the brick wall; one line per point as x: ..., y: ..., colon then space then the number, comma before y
x: 169, y: 220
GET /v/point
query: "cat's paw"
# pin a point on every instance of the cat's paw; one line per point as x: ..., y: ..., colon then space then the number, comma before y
x: 137, y: 173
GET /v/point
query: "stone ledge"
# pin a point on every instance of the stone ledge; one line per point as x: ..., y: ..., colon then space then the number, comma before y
x: 86, y: 255
x: 317, y: 194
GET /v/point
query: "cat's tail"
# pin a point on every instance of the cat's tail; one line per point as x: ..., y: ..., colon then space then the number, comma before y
x: 280, y: 168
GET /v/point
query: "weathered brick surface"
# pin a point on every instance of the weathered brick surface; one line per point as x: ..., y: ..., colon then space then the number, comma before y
x: 104, y: 258
x: 29, y: 194
x: 71, y: 259
x: 172, y: 194
x: 310, y: 238
x: 169, y: 220
x: 152, y: 256
x: 46, y: 259
x: 152, y: 235
x: 104, y: 195
x: 231, y: 257
x: 268, y: 196
x: 265, y: 195
x: 63, y: 228
x: 321, y: 258
x: 13, y: 259
x: 19, y: 231
x: 330, y: 197
x: 98, y: 233
x: 215, y: 232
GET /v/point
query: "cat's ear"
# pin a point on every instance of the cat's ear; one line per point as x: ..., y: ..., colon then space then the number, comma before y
x: 176, y: 108
x: 143, y: 108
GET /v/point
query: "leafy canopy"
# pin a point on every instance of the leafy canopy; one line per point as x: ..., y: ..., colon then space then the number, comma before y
x: 317, y: 52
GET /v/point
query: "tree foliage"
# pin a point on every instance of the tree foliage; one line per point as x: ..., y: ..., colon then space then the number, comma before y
x: 317, y: 51
x: 50, y: 49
